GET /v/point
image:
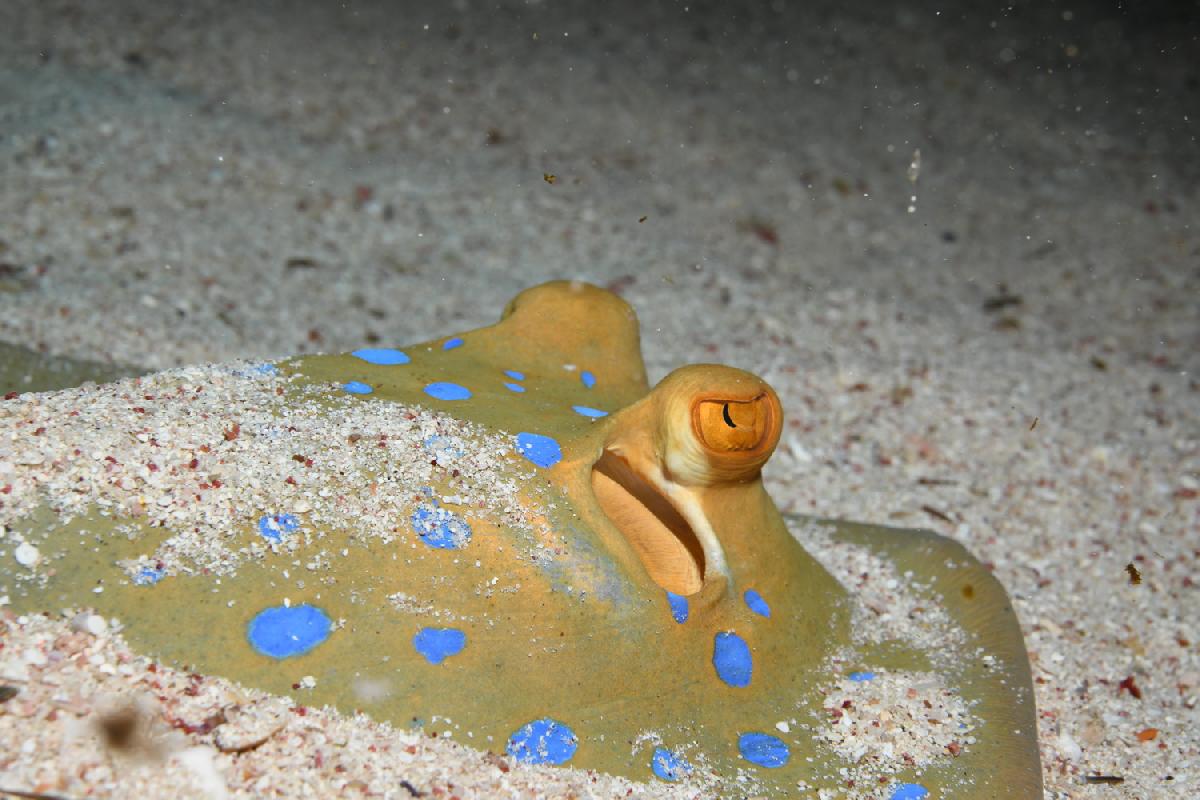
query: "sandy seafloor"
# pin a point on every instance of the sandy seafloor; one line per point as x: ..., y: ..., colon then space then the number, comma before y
x: 997, y: 339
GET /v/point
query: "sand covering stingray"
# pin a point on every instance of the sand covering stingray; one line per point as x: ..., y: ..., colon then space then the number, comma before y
x: 505, y: 533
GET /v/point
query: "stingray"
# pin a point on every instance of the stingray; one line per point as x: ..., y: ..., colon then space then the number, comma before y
x: 519, y: 542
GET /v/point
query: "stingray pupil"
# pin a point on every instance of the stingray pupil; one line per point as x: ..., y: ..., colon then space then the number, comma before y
x: 725, y: 415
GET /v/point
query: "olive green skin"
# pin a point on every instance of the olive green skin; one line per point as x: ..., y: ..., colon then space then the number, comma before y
x: 588, y: 638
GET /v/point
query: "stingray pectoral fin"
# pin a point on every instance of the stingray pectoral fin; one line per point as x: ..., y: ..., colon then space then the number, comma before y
x: 662, y: 538
x: 994, y: 667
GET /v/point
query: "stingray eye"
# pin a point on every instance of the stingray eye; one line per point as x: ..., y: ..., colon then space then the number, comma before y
x: 719, y: 425
x: 728, y: 427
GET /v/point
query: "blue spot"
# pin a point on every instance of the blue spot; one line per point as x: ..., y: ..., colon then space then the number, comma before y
x: 862, y: 676
x: 541, y: 450
x: 357, y: 387
x: 274, y: 526
x: 589, y: 380
x: 514, y: 387
x: 283, y: 631
x: 669, y: 766
x: 909, y: 791
x: 440, y: 528
x: 148, y: 576
x: 265, y: 369
x: 589, y: 412
x: 438, y: 644
x: 543, y: 741
x: 679, y: 607
x: 453, y: 342
x: 763, y: 749
x: 447, y: 391
x: 731, y: 657
x: 756, y: 603
x: 442, y: 446
x: 381, y: 355
x: 516, y: 376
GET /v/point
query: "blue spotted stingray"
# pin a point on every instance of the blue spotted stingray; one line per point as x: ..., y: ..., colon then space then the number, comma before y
x: 643, y: 610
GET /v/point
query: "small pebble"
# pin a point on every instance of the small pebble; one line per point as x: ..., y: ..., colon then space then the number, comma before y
x: 1068, y: 747
x: 90, y: 623
x: 27, y: 555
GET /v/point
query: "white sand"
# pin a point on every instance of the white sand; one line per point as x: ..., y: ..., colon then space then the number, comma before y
x: 161, y: 167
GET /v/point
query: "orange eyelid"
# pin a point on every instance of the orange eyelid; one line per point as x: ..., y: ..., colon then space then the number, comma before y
x: 731, y: 426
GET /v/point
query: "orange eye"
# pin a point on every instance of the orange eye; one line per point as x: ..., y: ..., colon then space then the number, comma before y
x: 735, y: 426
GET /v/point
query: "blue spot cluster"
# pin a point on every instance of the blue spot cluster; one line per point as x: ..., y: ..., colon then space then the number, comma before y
x: 756, y: 603
x: 282, y: 631
x: 731, y: 657
x: 274, y: 526
x: 734, y: 665
x: 442, y: 445
x: 764, y: 750
x: 384, y: 356
x: 440, y: 528
x: 541, y: 450
x: 909, y: 791
x: 679, y: 607
x: 862, y: 676
x: 148, y: 576
x: 447, y: 391
x: 438, y: 644
x: 668, y: 765
x: 543, y: 741
x: 516, y: 376
x: 286, y: 631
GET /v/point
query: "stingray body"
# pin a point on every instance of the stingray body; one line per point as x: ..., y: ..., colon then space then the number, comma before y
x: 574, y: 569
